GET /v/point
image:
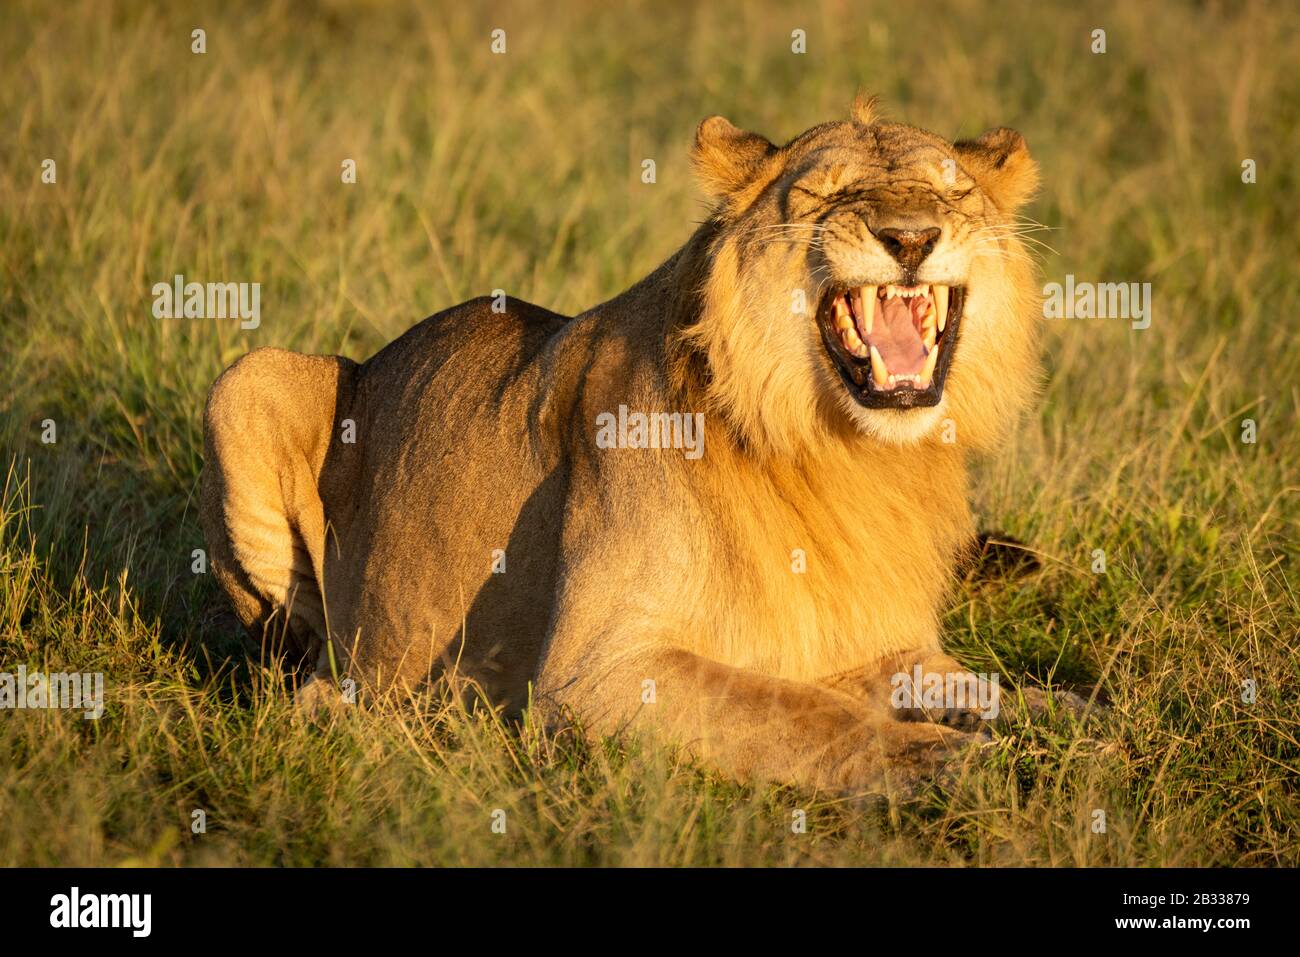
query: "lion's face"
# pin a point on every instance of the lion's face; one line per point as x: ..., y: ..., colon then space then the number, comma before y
x: 868, y: 271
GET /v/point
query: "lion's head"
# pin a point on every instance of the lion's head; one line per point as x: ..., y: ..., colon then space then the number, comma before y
x: 866, y: 276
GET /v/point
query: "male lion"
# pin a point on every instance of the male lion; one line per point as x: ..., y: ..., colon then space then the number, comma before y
x: 853, y: 320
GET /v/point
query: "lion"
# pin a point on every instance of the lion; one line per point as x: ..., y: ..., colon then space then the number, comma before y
x: 521, y: 499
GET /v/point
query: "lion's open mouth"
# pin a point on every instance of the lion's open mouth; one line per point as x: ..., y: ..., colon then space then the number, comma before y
x: 892, y: 345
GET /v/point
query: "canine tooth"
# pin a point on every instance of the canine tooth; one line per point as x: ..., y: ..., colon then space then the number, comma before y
x: 879, y: 371
x: 928, y: 371
x: 891, y: 291
x: 941, y: 305
x: 867, y: 300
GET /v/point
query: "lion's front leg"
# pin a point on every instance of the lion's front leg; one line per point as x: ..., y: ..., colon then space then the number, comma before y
x: 747, y: 724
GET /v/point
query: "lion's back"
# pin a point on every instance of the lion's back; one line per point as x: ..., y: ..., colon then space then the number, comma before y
x: 450, y: 523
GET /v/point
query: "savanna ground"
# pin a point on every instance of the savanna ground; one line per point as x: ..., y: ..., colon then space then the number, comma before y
x: 521, y: 171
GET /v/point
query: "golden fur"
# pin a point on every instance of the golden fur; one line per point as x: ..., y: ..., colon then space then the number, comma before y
x: 750, y: 604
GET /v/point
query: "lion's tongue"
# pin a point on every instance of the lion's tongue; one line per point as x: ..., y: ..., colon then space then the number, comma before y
x: 894, y: 335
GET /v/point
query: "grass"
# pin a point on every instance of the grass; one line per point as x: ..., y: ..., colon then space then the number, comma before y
x: 521, y: 172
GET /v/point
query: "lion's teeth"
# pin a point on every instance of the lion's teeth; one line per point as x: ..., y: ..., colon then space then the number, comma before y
x: 879, y: 371
x: 941, y: 306
x: 867, y: 307
x: 928, y: 371
x: 906, y: 292
x: 843, y: 320
x: 855, y: 345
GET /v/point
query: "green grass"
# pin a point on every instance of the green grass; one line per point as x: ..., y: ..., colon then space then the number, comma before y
x: 521, y: 172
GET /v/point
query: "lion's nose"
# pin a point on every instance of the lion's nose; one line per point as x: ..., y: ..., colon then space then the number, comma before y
x: 908, y: 246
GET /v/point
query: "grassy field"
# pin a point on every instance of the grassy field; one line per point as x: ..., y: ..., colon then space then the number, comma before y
x: 521, y: 171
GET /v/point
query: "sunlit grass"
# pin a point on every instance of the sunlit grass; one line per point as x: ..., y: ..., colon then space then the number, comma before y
x: 521, y: 172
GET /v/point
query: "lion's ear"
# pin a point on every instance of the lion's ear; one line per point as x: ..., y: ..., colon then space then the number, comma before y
x: 999, y: 161
x: 727, y: 159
